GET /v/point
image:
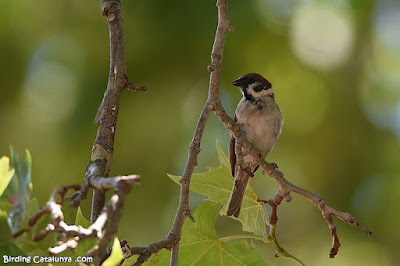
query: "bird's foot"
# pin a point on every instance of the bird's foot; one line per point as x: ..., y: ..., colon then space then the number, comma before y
x: 246, y: 170
x: 255, y: 169
x: 263, y: 201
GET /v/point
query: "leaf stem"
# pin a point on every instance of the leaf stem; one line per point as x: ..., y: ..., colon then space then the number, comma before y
x: 257, y: 237
x: 280, y: 252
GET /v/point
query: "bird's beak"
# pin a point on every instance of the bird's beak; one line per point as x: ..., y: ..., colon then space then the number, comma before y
x: 238, y: 82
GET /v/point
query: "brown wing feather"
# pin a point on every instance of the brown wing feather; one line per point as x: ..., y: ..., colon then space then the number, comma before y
x: 238, y: 190
x: 232, y: 153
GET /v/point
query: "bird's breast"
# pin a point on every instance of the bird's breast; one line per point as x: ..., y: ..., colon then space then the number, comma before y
x: 261, y: 123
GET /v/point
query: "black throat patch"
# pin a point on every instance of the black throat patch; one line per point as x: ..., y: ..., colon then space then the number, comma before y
x: 248, y: 96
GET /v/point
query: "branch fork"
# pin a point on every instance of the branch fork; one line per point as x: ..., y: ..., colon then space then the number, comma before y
x: 318, y: 201
x: 71, y: 235
x: 107, y: 218
x: 103, y: 147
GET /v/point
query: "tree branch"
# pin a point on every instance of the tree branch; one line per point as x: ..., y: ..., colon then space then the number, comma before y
x: 107, y: 114
x: 285, y: 187
x: 213, y: 103
x: 105, y: 219
x: 71, y: 235
x: 194, y: 149
x: 174, y: 236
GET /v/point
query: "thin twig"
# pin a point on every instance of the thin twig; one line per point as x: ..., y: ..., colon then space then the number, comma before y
x: 107, y: 114
x: 153, y: 248
x: 110, y: 216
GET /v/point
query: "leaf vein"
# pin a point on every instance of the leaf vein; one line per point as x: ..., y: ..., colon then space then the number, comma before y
x: 202, y: 254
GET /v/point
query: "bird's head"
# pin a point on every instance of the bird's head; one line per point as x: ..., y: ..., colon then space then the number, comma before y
x: 254, y: 86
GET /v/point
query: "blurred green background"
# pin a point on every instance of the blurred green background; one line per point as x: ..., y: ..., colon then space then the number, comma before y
x: 335, y: 70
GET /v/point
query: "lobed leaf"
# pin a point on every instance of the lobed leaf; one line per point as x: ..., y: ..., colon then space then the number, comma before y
x: 5, y: 173
x: 201, y: 246
x: 116, y: 254
x: 85, y: 245
x: 217, y: 185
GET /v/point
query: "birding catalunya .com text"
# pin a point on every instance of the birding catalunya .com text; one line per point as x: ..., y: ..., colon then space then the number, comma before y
x: 40, y: 259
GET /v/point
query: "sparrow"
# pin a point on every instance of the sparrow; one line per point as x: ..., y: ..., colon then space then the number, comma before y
x: 261, y: 123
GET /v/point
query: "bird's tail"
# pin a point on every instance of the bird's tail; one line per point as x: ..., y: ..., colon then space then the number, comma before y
x: 239, y: 187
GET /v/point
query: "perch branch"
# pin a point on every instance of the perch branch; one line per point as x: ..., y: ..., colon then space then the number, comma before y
x: 173, y: 237
x: 107, y: 114
x: 285, y: 187
x: 194, y: 149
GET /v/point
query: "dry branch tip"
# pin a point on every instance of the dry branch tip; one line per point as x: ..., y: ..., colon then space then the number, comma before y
x: 107, y: 9
x: 132, y: 87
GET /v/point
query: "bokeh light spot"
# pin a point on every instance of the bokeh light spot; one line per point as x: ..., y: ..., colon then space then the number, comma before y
x: 387, y: 23
x: 380, y: 90
x: 51, y: 84
x: 321, y: 36
x: 303, y: 105
x: 277, y: 12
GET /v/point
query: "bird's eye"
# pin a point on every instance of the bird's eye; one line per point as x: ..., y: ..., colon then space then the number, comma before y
x: 258, y: 88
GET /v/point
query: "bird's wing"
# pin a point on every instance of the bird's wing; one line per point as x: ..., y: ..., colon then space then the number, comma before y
x: 232, y: 153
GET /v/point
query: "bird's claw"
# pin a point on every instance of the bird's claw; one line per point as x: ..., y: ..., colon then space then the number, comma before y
x: 262, y: 201
x: 246, y: 170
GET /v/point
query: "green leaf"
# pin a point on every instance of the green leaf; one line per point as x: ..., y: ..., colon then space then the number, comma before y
x: 201, y: 246
x: 37, y: 248
x: 33, y: 207
x: 86, y: 245
x: 217, y: 185
x: 80, y: 219
x: 223, y: 159
x: 5, y: 173
x: 5, y: 233
x: 7, y: 243
x: 21, y: 187
x: 116, y: 254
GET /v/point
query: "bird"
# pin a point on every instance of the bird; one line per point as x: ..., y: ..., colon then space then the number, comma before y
x: 261, y: 123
